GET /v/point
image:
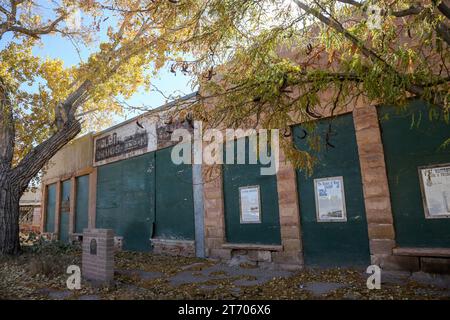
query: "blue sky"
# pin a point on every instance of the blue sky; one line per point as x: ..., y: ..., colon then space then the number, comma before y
x: 167, y: 82
x: 55, y: 46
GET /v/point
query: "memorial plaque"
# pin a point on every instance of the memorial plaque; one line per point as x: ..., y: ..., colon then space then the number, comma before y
x: 435, y: 187
x: 330, y: 199
x: 93, y: 247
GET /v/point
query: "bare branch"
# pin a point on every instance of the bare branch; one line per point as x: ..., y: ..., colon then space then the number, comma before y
x: 444, y: 9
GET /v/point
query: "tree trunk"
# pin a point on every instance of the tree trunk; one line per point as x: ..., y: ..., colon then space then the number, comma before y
x: 15, y: 180
x: 9, y: 216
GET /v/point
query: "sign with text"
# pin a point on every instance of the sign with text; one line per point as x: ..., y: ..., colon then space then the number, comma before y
x: 131, y: 139
x: 250, y: 204
x: 435, y: 186
x: 330, y: 199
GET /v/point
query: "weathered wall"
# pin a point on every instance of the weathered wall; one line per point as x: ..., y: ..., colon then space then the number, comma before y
x: 412, y: 140
x: 174, y: 215
x: 75, y: 156
x: 126, y: 200
x: 242, y: 175
x: 333, y: 243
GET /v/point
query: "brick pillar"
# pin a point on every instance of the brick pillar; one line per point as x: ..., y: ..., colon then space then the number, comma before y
x: 98, y: 255
x: 214, y: 212
x: 291, y: 257
x: 375, y: 184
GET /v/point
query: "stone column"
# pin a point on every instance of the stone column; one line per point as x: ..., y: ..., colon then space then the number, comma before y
x: 291, y: 257
x: 214, y: 212
x: 376, y: 191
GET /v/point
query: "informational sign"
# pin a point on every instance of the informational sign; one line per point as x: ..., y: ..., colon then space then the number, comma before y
x: 250, y: 204
x: 128, y: 140
x: 330, y: 199
x: 435, y: 186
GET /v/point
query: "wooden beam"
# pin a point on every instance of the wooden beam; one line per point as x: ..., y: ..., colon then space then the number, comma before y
x: 73, y: 197
x: 57, y: 208
x: 92, y: 198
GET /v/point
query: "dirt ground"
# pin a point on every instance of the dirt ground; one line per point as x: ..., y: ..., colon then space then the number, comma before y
x: 41, y: 274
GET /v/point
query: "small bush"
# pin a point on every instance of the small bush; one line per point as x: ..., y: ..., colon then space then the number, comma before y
x: 45, y: 265
x: 45, y: 246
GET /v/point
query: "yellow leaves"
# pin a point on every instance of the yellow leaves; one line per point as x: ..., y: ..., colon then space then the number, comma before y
x: 17, y: 63
x: 57, y: 78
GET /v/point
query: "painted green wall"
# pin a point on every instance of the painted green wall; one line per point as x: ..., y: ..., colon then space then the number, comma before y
x: 65, y: 212
x: 411, y: 140
x: 240, y: 175
x: 333, y: 243
x: 51, y: 207
x: 82, y: 203
x: 126, y: 201
x: 174, y: 199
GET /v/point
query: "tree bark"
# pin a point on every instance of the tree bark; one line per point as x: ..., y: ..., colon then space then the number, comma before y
x: 9, y: 216
x: 9, y: 195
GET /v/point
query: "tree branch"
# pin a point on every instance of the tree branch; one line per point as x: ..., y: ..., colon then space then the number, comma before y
x: 351, y: 2
x: 7, y: 128
x: 444, y: 9
x: 33, y: 162
x: 412, y: 88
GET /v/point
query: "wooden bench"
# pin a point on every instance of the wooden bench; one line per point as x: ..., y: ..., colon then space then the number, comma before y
x: 430, y: 260
x: 246, y: 246
x: 423, y: 252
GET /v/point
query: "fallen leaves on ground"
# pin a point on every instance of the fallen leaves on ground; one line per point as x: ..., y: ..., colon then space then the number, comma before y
x: 36, y: 272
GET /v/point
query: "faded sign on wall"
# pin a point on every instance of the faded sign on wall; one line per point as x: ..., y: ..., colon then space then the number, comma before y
x: 435, y: 186
x: 128, y: 140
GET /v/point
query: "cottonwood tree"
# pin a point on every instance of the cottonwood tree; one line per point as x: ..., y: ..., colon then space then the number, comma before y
x: 44, y: 104
x: 277, y: 62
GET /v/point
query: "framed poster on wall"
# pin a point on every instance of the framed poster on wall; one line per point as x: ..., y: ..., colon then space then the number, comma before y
x: 250, y: 204
x: 435, y: 187
x: 330, y: 199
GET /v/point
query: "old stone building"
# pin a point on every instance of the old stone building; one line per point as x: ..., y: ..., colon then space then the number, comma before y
x: 379, y: 195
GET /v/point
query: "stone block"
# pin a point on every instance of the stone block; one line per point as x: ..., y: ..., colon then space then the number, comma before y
x: 381, y: 231
x: 381, y: 246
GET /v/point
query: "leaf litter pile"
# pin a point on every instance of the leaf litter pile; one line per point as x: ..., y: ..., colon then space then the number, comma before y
x: 40, y: 273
